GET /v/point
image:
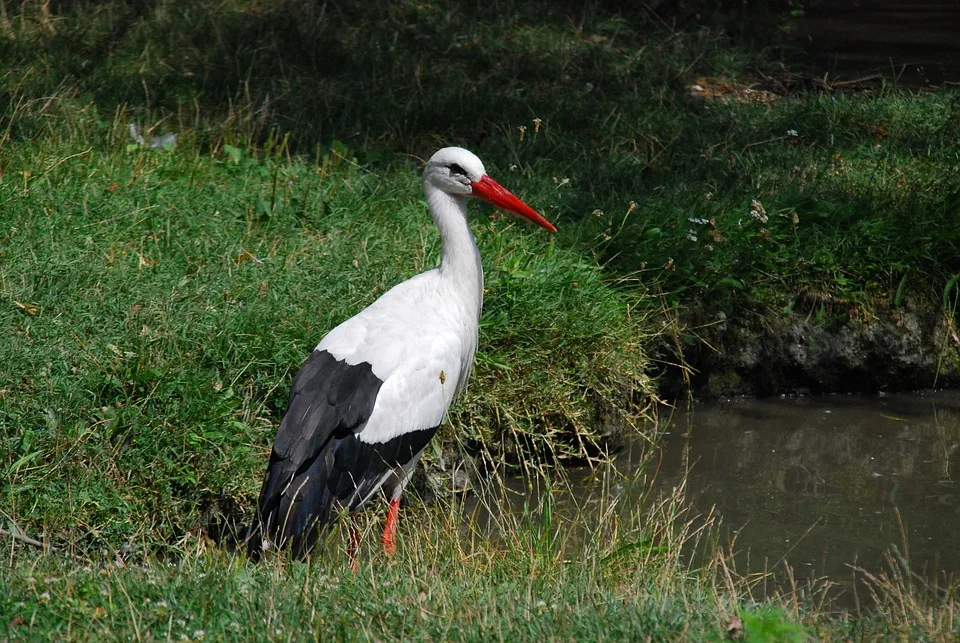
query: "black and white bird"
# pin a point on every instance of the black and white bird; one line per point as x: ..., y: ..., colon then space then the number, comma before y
x: 377, y: 387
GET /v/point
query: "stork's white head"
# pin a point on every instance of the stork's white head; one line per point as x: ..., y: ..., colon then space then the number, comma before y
x: 453, y: 169
x: 459, y: 172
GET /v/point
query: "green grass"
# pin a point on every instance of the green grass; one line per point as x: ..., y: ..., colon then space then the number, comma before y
x: 458, y: 575
x: 156, y: 303
x: 860, y: 201
x: 220, y: 600
x: 437, y: 588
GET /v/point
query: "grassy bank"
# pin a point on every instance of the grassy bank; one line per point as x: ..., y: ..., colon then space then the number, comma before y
x: 459, y: 575
x: 857, y: 188
x: 154, y: 304
x: 439, y: 587
x: 158, y: 303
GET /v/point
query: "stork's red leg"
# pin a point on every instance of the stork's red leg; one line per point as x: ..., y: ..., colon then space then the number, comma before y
x: 389, y: 538
x: 354, y: 548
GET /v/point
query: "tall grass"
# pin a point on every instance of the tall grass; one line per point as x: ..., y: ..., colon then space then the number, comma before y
x: 558, y: 564
x: 456, y: 577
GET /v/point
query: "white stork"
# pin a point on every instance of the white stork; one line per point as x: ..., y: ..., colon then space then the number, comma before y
x: 376, y: 388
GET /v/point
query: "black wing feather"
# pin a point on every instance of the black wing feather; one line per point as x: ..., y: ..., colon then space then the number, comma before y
x: 330, y: 399
x: 319, y: 465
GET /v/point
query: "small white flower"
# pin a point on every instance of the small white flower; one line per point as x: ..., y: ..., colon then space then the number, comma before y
x: 199, y: 634
x: 757, y: 211
x: 692, y: 235
x: 698, y: 221
x: 793, y: 133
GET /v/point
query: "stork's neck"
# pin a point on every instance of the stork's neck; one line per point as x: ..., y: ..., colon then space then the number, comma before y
x: 461, y: 258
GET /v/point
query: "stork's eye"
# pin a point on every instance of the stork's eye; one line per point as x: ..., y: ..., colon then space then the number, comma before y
x: 456, y: 169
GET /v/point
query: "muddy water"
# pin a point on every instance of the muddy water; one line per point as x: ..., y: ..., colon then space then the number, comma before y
x: 824, y: 483
x: 818, y: 483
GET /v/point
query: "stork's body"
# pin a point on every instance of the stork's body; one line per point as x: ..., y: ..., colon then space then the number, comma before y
x: 376, y: 388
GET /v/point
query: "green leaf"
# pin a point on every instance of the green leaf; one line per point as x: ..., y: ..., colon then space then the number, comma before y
x: 235, y: 153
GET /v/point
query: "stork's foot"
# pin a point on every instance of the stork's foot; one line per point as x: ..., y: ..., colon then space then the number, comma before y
x: 389, y: 538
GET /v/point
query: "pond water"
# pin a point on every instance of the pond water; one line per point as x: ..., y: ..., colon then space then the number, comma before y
x: 825, y: 482
x: 820, y: 483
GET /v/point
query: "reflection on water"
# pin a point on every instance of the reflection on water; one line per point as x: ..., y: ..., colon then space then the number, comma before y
x: 820, y: 483
x: 825, y: 482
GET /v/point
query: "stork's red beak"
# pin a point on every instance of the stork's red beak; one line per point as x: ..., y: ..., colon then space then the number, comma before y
x: 499, y: 196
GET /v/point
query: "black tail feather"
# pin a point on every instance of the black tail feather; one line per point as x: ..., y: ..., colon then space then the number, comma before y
x: 294, y: 506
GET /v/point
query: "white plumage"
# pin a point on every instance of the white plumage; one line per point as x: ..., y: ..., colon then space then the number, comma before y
x: 420, y: 342
x: 377, y: 387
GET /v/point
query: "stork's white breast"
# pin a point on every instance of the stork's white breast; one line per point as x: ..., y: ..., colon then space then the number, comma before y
x: 419, y: 338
